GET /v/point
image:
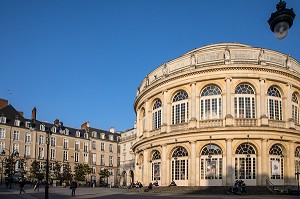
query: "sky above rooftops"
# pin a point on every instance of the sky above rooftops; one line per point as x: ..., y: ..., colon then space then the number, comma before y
x: 81, y: 61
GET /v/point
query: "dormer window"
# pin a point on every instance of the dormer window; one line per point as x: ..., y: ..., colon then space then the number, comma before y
x: 86, y: 136
x: 42, y: 127
x: 103, y: 136
x: 94, y: 134
x: 77, y: 133
x: 67, y: 131
x: 3, y: 120
x: 111, y: 137
x: 27, y: 124
x: 17, y: 122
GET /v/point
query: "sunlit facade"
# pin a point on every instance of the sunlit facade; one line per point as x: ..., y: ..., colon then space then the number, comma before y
x: 219, y: 113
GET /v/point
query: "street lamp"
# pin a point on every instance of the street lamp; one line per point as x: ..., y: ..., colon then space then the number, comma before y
x: 59, y: 126
x: 282, y: 20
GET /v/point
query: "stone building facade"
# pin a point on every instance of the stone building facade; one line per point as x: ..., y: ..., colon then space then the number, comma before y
x: 87, y: 145
x: 220, y: 113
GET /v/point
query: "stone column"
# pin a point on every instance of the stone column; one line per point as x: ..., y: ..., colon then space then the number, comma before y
x: 192, y: 165
x: 229, y: 165
x: 147, y: 168
x: 263, y: 104
x: 169, y: 116
x: 139, y: 132
x: 164, y: 168
x: 264, y: 169
x: 193, y: 120
x: 164, y: 112
x: 291, y: 164
x: 228, y: 117
x: 147, y: 117
x: 290, y: 123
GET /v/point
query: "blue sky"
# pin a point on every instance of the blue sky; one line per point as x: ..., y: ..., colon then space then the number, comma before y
x: 82, y: 60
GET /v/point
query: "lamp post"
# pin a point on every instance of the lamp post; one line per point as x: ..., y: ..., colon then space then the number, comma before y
x: 297, y: 174
x: 282, y: 20
x: 59, y: 126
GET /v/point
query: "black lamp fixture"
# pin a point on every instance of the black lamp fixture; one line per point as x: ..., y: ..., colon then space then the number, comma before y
x: 282, y: 20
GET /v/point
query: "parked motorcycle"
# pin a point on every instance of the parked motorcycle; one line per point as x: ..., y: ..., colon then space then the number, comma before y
x: 239, y: 187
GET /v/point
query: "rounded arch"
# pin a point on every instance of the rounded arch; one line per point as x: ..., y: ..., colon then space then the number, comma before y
x: 180, y: 151
x: 297, y: 152
x: 246, y: 148
x: 154, y: 104
x: 175, y: 91
x: 202, y: 145
x: 173, y: 147
x: 211, y: 149
x: 251, y: 142
x: 155, y: 155
x: 210, y: 89
x: 244, y: 88
x: 250, y: 82
x: 217, y: 83
x: 274, y: 91
x: 180, y: 95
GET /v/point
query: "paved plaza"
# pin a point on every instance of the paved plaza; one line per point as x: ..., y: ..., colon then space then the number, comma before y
x: 114, y: 193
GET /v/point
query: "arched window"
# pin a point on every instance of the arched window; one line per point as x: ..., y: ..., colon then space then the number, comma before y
x: 156, y: 166
x: 211, y: 103
x: 276, y: 162
x: 180, y: 164
x: 211, y: 162
x: 297, y: 159
x: 295, y: 108
x: 156, y: 114
x: 244, y: 101
x: 274, y: 104
x: 245, y: 162
x: 180, y: 108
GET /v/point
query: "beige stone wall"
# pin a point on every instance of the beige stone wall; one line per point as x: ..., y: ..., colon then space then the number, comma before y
x: 259, y: 68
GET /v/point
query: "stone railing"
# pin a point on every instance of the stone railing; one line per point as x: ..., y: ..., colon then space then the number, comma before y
x: 245, y: 122
x: 154, y: 132
x: 179, y: 127
x: 210, y: 123
x: 225, y: 53
x: 277, y: 123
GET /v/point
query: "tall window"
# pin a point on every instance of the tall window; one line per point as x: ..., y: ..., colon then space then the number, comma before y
x: 180, y: 164
x: 156, y: 166
x: 85, y: 158
x: 41, y: 139
x: 16, y: 135
x: 2, y: 133
x: 211, y: 162
x: 77, y: 145
x: 244, y: 101
x: 27, y: 151
x: 52, y: 141
x: 52, y: 154
x: 41, y: 153
x: 65, y: 156
x: 297, y: 159
x: 210, y: 103
x: 27, y: 137
x: 276, y: 162
x: 245, y: 162
x: 76, y: 157
x: 110, y: 148
x: 274, y: 104
x: 295, y: 108
x: 156, y: 114
x: 102, y: 160
x: 102, y: 146
x: 86, y: 147
x: 111, y: 161
x: 180, y: 106
x: 93, y: 144
x: 66, y: 144
x: 144, y: 120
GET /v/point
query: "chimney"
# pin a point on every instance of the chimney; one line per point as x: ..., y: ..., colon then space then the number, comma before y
x: 112, y: 130
x: 33, y: 115
x: 56, y: 122
x: 3, y: 103
x: 85, y: 125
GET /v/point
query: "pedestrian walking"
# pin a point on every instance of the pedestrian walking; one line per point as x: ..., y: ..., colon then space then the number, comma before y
x: 22, y: 184
x: 37, y: 185
x: 73, y: 186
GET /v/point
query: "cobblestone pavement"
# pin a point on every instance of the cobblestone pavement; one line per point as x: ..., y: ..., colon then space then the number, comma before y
x: 115, y: 193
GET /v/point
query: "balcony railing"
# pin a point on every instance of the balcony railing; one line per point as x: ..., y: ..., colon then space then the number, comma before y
x: 245, y: 122
x: 179, y: 127
x: 210, y: 123
x: 277, y: 123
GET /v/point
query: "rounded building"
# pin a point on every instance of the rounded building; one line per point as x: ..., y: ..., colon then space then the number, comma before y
x: 219, y: 113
